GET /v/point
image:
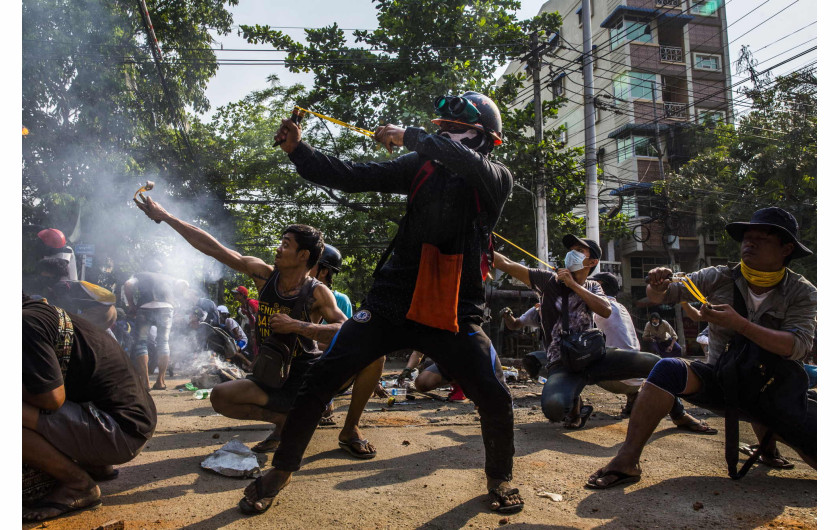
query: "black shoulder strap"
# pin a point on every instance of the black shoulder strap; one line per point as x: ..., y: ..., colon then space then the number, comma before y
x: 730, y: 388
x: 417, y: 182
x: 564, y: 312
x: 306, y: 291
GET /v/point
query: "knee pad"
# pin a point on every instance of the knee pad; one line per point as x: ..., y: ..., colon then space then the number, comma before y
x: 670, y: 375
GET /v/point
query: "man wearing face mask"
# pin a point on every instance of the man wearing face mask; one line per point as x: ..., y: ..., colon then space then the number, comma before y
x: 663, y: 337
x: 586, y: 298
x: 428, y: 291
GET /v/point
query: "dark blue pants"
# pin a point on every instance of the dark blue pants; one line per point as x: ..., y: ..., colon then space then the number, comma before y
x: 563, y: 388
x: 468, y: 357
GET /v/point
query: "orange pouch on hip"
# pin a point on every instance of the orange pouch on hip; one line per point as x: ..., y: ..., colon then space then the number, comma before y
x: 435, y: 300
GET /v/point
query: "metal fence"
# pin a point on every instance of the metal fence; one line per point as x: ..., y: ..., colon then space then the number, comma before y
x: 672, y: 54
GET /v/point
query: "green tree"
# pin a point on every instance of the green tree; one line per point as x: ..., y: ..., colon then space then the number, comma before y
x: 423, y: 49
x: 98, y: 117
x: 769, y: 158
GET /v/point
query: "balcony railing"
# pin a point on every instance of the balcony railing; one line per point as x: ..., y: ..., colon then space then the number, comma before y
x: 669, y: 3
x: 672, y: 54
x: 677, y: 111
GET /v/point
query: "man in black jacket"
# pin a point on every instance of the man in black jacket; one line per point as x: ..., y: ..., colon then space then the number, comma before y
x: 429, y: 293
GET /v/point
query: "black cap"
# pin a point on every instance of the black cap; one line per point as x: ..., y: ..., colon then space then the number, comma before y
x: 609, y: 283
x: 776, y: 218
x: 593, y: 246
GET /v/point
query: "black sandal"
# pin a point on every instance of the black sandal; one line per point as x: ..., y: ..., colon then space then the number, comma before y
x: 499, y: 496
x: 249, y: 508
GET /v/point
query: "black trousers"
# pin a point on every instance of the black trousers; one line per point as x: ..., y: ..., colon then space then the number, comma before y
x: 468, y: 356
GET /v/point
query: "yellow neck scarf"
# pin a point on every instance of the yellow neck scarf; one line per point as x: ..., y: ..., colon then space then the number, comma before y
x: 761, y: 278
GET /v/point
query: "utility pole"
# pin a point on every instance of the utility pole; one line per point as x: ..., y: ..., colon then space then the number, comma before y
x: 590, y: 153
x: 678, y: 321
x: 542, y: 218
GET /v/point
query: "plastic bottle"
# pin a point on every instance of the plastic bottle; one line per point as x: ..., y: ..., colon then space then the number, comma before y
x: 202, y: 393
x: 397, y: 391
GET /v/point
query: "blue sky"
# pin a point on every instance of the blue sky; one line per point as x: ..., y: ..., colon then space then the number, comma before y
x: 232, y: 83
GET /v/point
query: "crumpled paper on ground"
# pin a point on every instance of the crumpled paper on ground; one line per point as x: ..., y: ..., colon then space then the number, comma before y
x: 556, y: 497
x: 234, y: 459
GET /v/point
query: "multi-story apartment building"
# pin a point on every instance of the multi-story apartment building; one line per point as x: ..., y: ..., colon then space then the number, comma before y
x: 658, y: 64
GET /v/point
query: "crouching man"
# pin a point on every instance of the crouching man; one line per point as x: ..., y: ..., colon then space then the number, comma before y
x: 85, y: 409
x: 759, y: 300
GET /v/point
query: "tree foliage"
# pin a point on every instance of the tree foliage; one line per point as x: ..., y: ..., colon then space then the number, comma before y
x: 769, y: 158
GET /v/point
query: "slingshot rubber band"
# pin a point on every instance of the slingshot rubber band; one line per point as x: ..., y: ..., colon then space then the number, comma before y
x: 523, y: 250
x: 338, y: 122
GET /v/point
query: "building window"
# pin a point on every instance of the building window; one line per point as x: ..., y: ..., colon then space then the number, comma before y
x: 706, y: 115
x: 580, y: 14
x: 557, y: 86
x: 707, y: 61
x: 629, y: 30
x: 634, y: 85
x: 640, y: 266
x: 705, y: 8
x: 635, y: 145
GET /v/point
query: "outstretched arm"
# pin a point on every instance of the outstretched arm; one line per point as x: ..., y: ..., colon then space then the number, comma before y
x: 207, y: 244
x: 517, y: 270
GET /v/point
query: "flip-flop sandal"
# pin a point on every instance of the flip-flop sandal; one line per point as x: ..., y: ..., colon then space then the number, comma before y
x: 700, y: 427
x: 585, y: 412
x: 269, y: 445
x: 776, y: 462
x: 498, y: 497
x: 326, y: 422
x: 64, y: 509
x: 621, y: 478
x: 349, y: 447
x: 249, y: 508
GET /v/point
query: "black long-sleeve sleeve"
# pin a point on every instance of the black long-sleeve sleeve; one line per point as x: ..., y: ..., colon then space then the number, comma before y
x: 393, y: 176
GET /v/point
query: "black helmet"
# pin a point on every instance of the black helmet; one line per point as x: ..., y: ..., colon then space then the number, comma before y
x: 489, y: 120
x: 330, y: 258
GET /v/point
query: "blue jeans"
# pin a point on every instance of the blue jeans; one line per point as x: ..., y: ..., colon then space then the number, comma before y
x: 563, y: 388
x: 146, y: 318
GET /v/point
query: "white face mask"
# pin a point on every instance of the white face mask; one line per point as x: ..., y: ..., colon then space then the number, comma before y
x: 471, y: 138
x: 574, y: 260
x: 655, y: 324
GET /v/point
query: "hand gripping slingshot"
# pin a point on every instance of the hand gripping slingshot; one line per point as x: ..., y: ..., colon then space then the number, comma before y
x: 148, y: 186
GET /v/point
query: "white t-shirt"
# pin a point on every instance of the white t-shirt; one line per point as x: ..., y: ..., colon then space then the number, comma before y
x: 618, y: 327
x: 620, y: 332
x: 531, y: 318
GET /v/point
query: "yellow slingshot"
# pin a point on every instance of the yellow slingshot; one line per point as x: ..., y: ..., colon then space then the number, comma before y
x: 691, y: 288
x: 337, y: 122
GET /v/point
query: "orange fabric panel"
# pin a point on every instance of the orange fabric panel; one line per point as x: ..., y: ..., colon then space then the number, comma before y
x: 435, y: 299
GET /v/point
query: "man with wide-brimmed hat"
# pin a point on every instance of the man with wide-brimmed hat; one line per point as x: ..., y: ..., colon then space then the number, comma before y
x: 758, y: 303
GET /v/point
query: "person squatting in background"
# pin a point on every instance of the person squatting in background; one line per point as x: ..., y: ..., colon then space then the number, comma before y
x: 85, y: 409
